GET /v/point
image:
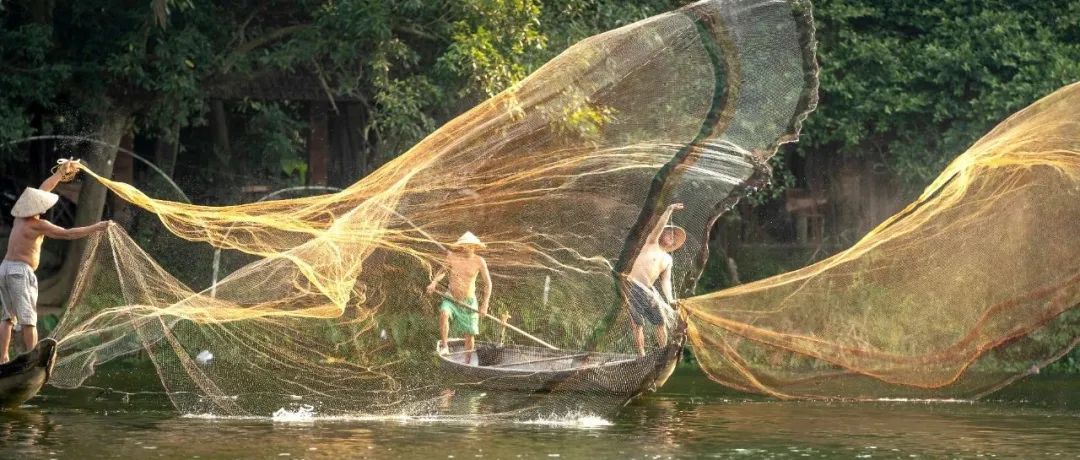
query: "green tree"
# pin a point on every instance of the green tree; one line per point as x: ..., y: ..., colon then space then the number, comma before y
x: 912, y: 84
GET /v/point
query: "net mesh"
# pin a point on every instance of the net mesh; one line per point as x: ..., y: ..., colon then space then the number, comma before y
x: 561, y: 175
x: 970, y: 287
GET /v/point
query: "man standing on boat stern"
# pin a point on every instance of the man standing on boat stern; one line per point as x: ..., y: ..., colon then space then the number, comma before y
x: 653, y: 263
x: 463, y: 265
x: 18, y: 284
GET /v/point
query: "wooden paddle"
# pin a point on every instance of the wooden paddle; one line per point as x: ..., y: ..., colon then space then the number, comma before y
x: 497, y: 320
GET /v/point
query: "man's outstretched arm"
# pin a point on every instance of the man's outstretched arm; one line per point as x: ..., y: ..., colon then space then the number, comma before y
x: 654, y: 235
x: 54, y: 231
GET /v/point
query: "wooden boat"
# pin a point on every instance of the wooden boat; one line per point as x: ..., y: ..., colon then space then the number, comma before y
x: 536, y: 369
x: 22, y: 377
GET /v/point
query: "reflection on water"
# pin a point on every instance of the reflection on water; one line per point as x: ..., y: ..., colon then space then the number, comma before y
x: 693, y: 418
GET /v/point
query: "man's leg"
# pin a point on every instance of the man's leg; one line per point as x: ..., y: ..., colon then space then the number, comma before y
x: 468, y: 348
x: 29, y: 336
x: 5, y: 339
x: 444, y: 328
x: 639, y: 339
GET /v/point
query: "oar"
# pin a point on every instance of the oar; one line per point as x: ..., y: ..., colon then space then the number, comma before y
x: 497, y: 320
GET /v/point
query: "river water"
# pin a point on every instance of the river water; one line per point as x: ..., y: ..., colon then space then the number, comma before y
x: 691, y: 418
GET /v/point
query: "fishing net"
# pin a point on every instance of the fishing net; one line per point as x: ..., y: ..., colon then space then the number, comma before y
x: 970, y: 287
x: 562, y: 175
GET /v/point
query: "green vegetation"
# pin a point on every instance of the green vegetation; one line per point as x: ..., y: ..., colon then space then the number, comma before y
x: 912, y: 84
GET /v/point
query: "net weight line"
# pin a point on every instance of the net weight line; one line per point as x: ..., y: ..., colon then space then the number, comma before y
x: 497, y: 320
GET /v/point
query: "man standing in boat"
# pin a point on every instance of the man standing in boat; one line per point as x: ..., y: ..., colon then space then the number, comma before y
x: 18, y: 284
x: 463, y: 266
x: 654, y: 262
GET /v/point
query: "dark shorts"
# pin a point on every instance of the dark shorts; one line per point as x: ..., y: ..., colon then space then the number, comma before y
x: 643, y: 305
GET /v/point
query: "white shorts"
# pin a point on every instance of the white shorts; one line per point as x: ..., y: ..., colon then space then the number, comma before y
x: 18, y: 293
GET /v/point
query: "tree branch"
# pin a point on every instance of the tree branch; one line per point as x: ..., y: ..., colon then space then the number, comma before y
x: 266, y: 39
x: 325, y: 86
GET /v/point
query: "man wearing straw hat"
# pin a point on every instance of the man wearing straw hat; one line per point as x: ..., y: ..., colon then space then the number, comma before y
x: 653, y: 263
x: 463, y: 265
x: 18, y: 284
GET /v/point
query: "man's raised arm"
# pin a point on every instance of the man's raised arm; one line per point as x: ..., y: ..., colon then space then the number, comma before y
x: 654, y: 235
x: 67, y: 168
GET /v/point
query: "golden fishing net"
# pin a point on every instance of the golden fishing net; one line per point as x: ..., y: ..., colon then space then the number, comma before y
x: 973, y: 285
x: 561, y: 175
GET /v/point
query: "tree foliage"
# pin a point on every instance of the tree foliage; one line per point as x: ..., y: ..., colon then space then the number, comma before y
x: 912, y: 84
x: 411, y: 63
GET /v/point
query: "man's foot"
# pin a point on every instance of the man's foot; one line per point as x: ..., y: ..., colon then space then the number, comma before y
x: 442, y: 349
x: 3, y: 359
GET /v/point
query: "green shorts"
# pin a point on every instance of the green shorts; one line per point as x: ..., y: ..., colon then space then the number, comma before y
x: 462, y: 319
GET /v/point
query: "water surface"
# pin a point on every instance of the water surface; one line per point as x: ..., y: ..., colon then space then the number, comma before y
x: 691, y: 418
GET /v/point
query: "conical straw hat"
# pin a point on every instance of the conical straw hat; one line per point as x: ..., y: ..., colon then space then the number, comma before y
x: 680, y: 238
x: 33, y: 202
x: 467, y: 239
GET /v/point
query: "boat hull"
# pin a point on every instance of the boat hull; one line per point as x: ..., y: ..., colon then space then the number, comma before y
x: 544, y: 370
x: 22, y: 377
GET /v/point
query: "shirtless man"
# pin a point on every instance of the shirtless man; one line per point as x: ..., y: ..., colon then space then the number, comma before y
x: 18, y: 284
x: 654, y: 262
x: 463, y: 265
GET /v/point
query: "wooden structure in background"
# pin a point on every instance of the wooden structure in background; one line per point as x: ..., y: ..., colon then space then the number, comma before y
x: 338, y: 150
x: 806, y: 209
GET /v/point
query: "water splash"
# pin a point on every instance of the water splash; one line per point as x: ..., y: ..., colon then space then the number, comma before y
x: 572, y: 419
x: 303, y: 414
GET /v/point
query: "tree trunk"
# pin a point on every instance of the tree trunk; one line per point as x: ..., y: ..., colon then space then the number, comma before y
x: 220, y: 128
x: 100, y: 159
x: 123, y: 170
x: 165, y: 151
x: 317, y: 144
x: 355, y: 117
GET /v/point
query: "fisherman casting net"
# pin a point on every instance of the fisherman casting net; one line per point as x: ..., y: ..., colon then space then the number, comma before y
x: 561, y: 175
